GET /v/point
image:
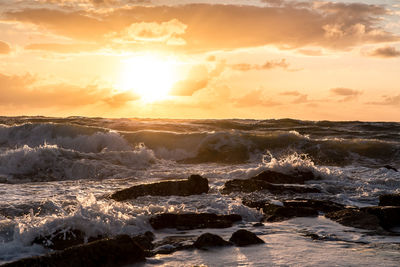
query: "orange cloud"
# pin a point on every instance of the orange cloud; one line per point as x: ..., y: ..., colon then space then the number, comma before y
x: 331, y: 25
x: 25, y: 91
x: 4, y: 48
x: 385, y: 52
x: 347, y: 94
x: 266, y: 66
x: 254, y: 98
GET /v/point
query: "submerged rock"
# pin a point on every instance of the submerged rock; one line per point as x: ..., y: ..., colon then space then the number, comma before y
x: 324, y: 206
x: 252, y: 185
x: 118, y: 251
x: 389, y: 200
x: 273, y: 177
x: 194, y: 185
x: 355, y: 218
x: 389, y: 217
x: 210, y: 240
x: 64, y: 238
x: 275, y: 213
x: 170, y: 244
x: 390, y: 168
x: 243, y: 238
x: 188, y: 221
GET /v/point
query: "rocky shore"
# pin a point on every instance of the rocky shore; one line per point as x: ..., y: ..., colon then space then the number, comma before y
x: 70, y: 247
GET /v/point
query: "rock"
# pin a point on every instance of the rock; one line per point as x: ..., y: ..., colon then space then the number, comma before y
x: 210, y: 240
x: 252, y: 185
x: 324, y: 206
x: 171, y: 244
x: 389, y: 216
x: 188, y: 221
x: 118, y: 251
x: 64, y: 238
x: 273, y: 177
x: 275, y: 213
x: 355, y: 218
x: 389, y: 200
x: 194, y: 185
x: 243, y: 238
x: 390, y: 168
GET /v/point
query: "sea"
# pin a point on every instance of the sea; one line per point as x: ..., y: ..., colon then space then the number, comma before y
x: 57, y: 173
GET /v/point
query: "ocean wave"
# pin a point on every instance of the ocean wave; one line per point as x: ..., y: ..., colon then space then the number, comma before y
x: 50, y: 162
x: 226, y: 146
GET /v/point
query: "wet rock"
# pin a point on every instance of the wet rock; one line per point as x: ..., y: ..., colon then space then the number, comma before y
x: 252, y: 185
x: 243, y: 238
x: 194, y: 185
x: 210, y: 240
x: 390, y: 168
x: 389, y: 200
x: 389, y: 216
x: 275, y: 213
x: 170, y: 244
x: 273, y: 177
x: 118, y: 251
x: 188, y: 221
x: 355, y: 218
x: 64, y: 238
x: 145, y: 241
x: 324, y: 206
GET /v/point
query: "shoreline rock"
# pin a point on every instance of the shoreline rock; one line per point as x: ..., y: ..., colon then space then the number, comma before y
x: 194, y: 185
x: 208, y: 240
x: 243, y: 238
x: 190, y: 221
x: 118, y: 251
x: 273, y: 182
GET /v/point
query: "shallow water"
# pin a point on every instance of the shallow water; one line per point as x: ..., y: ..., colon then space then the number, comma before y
x: 56, y: 173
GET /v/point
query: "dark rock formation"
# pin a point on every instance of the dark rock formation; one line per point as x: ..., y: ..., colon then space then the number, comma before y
x: 243, y: 238
x: 275, y: 213
x: 389, y: 200
x: 273, y: 177
x: 324, y: 206
x: 293, y: 208
x: 118, y: 251
x: 210, y: 240
x: 171, y: 244
x: 389, y: 216
x: 252, y: 185
x: 63, y: 239
x: 355, y: 218
x: 390, y: 168
x: 194, y: 185
x: 189, y: 221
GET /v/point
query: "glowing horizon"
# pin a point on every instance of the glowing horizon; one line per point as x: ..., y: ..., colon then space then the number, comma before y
x: 332, y: 60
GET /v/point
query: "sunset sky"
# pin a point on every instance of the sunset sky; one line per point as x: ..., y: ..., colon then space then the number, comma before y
x: 316, y: 60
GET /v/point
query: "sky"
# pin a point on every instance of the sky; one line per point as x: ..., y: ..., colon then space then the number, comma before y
x: 256, y: 59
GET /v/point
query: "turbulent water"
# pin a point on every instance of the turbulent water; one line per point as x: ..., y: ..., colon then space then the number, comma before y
x: 55, y: 173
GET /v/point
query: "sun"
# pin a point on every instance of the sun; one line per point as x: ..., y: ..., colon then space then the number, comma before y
x: 149, y: 76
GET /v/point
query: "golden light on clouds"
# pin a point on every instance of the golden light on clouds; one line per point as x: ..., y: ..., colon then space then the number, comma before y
x: 149, y: 76
x: 152, y: 59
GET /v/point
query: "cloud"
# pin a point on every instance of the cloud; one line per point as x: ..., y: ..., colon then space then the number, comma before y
x: 347, y: 94
x: 165, y: 32
x: 266, y: 66
x: 4, y: 48
x: 121, y: 99
x: 214, y: 26
x: 64, y: 48
x: 254, y: 98
x: 197, y: 79
x: 385, y: 52
x: 25, y: 90
x: 291, y: 93
x: 388, y: 101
